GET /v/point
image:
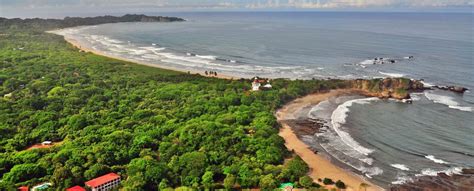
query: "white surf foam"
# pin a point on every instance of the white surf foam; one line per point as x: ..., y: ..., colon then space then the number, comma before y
x: 426, y: 84
x: 432, y: 158
x: 402, y: 180
x: 400, y: 166
x: 448, y: 101
x: 338, y: 118
x: 367, y: 62
x: 210, y: 57
x: 395, y: 75
x: 449, y: 171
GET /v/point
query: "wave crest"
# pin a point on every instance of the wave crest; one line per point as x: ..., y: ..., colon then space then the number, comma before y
x: 338, y: 118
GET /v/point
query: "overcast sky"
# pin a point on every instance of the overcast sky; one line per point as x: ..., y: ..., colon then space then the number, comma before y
x: 58, y: 8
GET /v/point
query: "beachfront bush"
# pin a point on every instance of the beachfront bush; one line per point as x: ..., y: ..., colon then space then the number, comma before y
x: 306, y: 181
x: 328, y: 181
x: 340, y: 184
x: 294, y: 169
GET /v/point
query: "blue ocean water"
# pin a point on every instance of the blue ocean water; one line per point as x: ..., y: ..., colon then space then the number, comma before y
x: 433, y: 134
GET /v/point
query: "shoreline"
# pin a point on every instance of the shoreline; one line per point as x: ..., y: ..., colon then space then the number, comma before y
x: 320, y: 166
x: 83, y: 47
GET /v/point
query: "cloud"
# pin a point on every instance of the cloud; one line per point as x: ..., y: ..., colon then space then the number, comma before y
x: 233, y: 3
x: 356, y: 3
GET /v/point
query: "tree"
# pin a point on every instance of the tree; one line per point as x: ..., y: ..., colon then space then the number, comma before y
x: 95, y: 171
x: 306, y: 181
x: 145, y: 174
x: 328, y: 181
x: 23, y: 172
x: 340, y: 184
x: 191, y: 167
x: 294, y: 169
x: 268, y: 182
x: 208, y: 179
x: 229, y: 181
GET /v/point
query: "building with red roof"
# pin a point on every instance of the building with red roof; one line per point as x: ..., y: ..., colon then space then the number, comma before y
x: 103, y: 183
x: 23, y: 188
x: 76, y: 188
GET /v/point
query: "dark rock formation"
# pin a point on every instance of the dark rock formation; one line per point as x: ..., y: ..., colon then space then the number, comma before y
x: 456, y: 89
x: 442, y: 182
x: 397, y: 88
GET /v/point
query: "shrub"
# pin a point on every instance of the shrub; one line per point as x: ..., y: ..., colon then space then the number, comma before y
x: 340, y: 184
x: 306, y: 181
x: 328, y: 181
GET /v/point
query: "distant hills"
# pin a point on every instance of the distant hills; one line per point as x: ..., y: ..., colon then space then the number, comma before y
x: 41, y: 24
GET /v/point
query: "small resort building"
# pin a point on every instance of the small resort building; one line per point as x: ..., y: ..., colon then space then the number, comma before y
x: 103, y: 183
x: 257, y: 84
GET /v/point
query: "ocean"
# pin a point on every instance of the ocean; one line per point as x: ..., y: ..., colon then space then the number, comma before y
x: 386, y: 141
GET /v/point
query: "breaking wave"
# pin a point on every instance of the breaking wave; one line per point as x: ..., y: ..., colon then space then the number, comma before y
x: 432, y: 158
x: 338, y: 119
x: 395, y: 75
x: 449, y: 171
x: 447, y: 100
x: 402, y: 180
x: 400, y: 166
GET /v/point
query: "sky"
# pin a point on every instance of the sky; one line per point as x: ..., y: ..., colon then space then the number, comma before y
x: 58, y: 8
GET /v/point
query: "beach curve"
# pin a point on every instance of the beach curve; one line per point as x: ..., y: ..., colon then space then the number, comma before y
x: 320, y: 166
x: 84, y: 47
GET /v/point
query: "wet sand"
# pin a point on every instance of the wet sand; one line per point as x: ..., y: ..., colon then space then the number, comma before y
x: 320, y: 166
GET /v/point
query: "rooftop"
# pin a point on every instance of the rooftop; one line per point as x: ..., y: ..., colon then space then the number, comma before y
x: 76, y: 188
x: 102, y: 180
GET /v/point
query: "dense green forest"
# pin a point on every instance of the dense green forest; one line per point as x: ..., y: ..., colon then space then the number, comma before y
x: 156, y: 128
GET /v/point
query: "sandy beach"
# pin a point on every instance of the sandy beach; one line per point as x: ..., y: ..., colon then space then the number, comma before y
x: 319, y: 165
x: 78, y: 44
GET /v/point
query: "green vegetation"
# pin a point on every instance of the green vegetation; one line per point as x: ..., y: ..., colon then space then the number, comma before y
x: 328, y: 181
x: 39, y: 25
x: 158, y: 129
x: 339, y: 184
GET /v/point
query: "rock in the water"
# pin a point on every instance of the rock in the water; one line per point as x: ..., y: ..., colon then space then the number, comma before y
x: 456, y: 89
x: 442, y: 182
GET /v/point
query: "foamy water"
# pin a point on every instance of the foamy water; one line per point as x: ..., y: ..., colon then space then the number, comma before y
x: 389, y: 152
x: 338, y: 119
x: 448, y: 101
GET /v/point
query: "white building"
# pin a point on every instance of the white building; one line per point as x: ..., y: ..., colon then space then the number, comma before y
x: 256, y: 84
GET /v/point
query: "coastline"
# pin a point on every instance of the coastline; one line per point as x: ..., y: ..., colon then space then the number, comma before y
x: 320, y: 166
x: 83, y: 47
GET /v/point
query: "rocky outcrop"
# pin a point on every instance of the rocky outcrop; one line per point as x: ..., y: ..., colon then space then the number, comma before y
x: 456, y: 89
x: 397, y: 88
x: 442, y: 182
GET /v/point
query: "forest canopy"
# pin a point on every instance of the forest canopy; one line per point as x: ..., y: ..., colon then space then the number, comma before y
x: 156, y: 128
